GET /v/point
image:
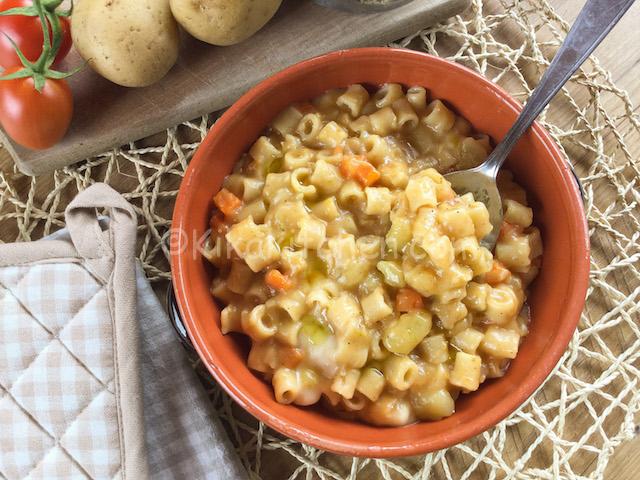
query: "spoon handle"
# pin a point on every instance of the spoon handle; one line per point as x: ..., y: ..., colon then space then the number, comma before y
x: 595, y: 21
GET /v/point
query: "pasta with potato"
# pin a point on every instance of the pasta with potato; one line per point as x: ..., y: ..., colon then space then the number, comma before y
x: 358, y: 273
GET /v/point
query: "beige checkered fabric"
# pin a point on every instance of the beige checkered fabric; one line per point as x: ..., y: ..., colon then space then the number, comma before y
x: 57, y: 408
x: 70, y: 390
x: 73, y: 377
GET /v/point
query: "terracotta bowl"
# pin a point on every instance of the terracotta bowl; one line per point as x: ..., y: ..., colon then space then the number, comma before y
x: 556, y: 299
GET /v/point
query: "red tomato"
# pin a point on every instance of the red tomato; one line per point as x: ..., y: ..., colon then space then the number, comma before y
x: 36, y: 120
x: 26, y: 32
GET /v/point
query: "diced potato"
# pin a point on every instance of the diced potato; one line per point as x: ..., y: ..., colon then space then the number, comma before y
x: 514, y: 252
x: 389, y: 411
x: 353, y: 347
x: 344, y: 311
x: 404, y: 334
x: 371, y: 383
x: 468, y: 340
x: 435, y: 349
x: 517, y: 214
x: 436, y: 376
x: 466, y: 371
x: 394, y: 174
x: 480, y: 216
x: 432, y: 405
x: 456, y: 222
x: 449, y: 313
x: 458, y: 276
x: 500, y: 342
x: 326, y: 210
x: 375, y: 306
x: 379, y: 200
x: 421, y: 279
x: 476, y: 299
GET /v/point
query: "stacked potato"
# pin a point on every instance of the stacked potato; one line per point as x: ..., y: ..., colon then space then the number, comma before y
x: 134, y: 43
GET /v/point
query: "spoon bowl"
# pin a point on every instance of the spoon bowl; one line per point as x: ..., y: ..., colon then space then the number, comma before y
x: 482, y: 184
x: 595, y: 21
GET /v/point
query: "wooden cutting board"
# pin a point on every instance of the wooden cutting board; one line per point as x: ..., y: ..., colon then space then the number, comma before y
x: 208, y: 78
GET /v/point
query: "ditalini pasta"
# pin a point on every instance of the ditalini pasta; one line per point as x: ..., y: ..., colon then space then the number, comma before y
x: 356, y: 270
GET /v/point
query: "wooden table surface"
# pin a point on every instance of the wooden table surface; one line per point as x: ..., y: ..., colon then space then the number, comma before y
x: 620, y: 55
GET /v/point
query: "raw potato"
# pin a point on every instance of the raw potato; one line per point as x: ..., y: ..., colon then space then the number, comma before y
x: 223, y: 22
x: 133, y: 43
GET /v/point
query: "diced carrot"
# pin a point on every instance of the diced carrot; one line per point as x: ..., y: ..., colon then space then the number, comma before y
x: 227, y: 202
x: 508, y: 230
x: 290, y: 357
x: 360, y: 170
x: 367, y: 174
x: 276, y: 280
x: 338, y: 150
x: 218, y: 224
x: 498, y: 273
x: 408, y: 300
x: 348, y: 167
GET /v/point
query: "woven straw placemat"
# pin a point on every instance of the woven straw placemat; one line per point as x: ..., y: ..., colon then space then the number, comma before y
x: 571, y: 426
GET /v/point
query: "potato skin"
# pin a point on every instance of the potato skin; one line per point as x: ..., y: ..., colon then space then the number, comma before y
x: 133, y: 43
x: 223, y: 22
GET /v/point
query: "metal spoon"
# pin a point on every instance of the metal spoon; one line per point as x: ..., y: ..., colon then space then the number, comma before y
x: 595, y: 21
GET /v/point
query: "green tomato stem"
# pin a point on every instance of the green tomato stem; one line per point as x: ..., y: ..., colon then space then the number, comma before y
x: 26, y: 11
x: 51, y: 5
x: 24, y: 73
x: 54, y: 21
x: 38, y: 81
x: 41, y: 64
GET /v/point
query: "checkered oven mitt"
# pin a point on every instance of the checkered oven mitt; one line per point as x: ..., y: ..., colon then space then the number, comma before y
x: 73, y: 377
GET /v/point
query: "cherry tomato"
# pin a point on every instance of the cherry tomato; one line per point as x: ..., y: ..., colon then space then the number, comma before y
x: 26, y: 32
x: 36, y: 120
